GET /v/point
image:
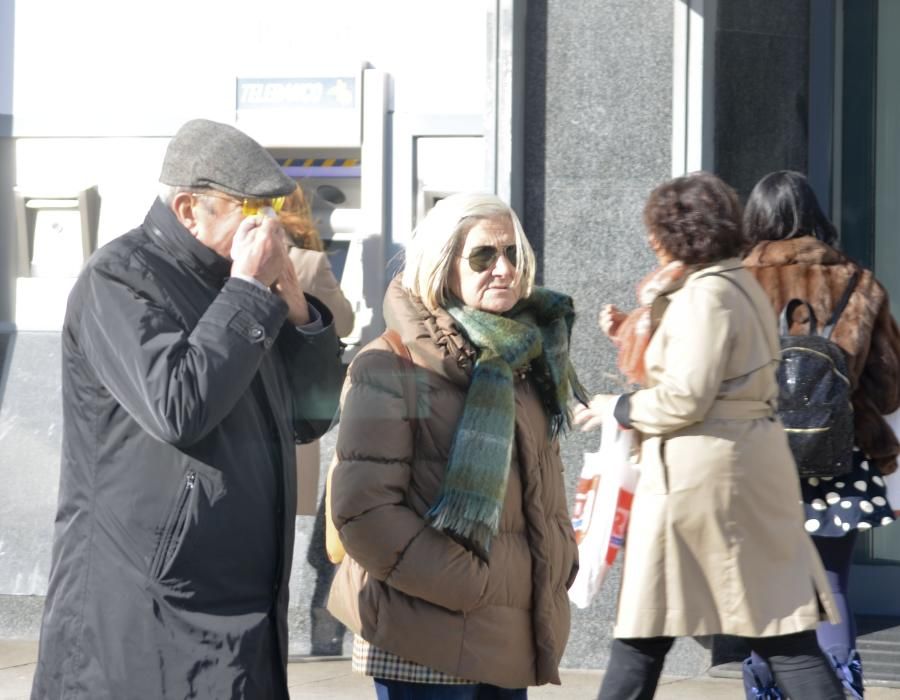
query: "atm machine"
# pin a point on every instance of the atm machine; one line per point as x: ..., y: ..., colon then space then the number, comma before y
x: 56, y: 233
x: 330, y: 132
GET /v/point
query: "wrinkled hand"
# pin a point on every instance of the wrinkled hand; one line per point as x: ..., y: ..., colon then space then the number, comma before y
x: 258, y: 250
x: 288, y: 288
x: 591, y: 417
x: 610, y: 319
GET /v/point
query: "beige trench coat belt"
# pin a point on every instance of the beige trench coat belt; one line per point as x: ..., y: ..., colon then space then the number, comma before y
x: 741, y: 410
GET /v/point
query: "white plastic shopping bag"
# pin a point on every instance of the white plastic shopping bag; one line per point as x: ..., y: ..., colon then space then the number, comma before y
x: 892, y: 481
x: 602, y: 506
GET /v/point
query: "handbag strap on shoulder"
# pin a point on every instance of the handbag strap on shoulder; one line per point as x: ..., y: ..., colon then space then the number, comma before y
x: 398, y: 347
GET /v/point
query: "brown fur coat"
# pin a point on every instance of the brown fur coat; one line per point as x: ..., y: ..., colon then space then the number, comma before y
x: 808, y: 269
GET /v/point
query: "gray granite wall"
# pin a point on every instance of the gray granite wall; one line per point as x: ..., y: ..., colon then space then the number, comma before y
x: 762, y: 94
x: 598, y: 125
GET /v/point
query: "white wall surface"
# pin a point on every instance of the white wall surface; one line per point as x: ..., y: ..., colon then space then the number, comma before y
x: 98, y: 86
x: 113, y: 68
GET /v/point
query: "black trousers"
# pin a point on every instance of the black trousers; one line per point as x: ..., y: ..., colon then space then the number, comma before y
x: 798, y: 664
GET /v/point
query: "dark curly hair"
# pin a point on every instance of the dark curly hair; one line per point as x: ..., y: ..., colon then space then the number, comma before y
x: 783, y: 205
x: 696, y: 219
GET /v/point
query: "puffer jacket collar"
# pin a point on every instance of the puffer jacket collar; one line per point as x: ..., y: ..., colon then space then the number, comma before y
x: 165, y: 228
x: 433, y: 338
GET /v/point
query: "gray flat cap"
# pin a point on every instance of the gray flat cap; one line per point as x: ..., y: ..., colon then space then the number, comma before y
x: 204, y: 153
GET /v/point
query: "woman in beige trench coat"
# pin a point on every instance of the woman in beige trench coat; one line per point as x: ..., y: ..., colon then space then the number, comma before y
x: 715, y: 542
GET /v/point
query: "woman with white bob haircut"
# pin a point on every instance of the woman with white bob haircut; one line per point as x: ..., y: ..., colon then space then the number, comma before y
x: 448, y: 491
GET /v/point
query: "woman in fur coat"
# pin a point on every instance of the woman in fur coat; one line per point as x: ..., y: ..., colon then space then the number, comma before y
x: 793, y: 256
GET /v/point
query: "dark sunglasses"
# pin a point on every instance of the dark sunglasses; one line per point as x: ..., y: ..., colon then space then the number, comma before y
x: 483, y: 257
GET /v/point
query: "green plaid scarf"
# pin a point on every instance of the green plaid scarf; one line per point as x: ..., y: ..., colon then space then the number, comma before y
x: 535, y: 331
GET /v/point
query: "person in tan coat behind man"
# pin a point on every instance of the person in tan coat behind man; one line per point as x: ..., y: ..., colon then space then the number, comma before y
x: 448, y: 494
x: 715, y: 542
x: 314, y: 274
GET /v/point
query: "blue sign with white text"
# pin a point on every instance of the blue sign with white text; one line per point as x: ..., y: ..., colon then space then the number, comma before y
x: 296, y: 93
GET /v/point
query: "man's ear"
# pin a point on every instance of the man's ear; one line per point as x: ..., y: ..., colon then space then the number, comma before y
x: 183, y: 206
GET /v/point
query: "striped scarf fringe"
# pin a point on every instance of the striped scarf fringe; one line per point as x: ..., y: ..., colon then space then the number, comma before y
x: 535, y: 332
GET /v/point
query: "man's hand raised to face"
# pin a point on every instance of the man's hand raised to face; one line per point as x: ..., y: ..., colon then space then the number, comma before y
x: 258, y: 250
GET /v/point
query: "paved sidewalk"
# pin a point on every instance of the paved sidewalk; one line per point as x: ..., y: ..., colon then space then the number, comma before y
x: 332, y: 679
x: 335, y: 681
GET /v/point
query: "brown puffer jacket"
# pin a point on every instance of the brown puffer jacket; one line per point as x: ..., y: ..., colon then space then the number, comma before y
x: 805, y: 268
x: 410, y: 589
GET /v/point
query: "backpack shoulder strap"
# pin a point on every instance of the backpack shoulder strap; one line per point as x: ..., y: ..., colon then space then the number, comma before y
x: 399, y: 348
x: 841, y: 305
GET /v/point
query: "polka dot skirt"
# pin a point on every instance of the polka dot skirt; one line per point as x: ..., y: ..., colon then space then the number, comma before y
x: 836, y: 505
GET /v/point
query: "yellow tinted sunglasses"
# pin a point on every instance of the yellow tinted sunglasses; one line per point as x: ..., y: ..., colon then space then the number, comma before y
x: 250, y: 206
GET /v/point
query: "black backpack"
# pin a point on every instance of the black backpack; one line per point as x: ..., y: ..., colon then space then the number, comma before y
x: 814, y: 393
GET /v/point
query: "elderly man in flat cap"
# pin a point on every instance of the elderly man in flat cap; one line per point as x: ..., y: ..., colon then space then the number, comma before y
x: 192, y: 363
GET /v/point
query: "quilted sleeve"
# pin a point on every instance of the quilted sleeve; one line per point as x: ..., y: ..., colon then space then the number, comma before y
x: 377, y: 527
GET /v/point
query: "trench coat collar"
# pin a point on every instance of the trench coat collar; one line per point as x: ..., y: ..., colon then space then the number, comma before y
x: 661, y: 303
x: 174, y: 237
x: 712, y: 268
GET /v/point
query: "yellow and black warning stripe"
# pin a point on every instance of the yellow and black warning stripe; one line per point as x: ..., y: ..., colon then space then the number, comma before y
x: 319, y: 162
